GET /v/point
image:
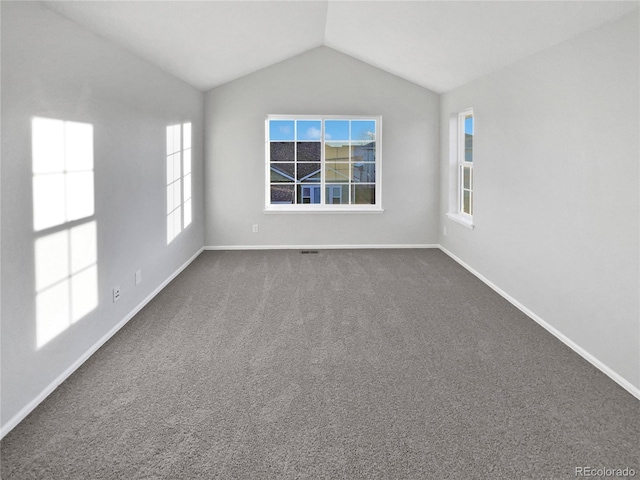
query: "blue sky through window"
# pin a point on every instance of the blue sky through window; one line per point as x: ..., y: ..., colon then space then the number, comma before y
x: 363, y: 130
x: 309, y: 130
x: 280, y: 130
x: 468, y: 125
x: 336, y: 130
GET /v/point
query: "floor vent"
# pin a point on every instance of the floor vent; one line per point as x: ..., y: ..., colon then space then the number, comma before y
x: 309, y: 251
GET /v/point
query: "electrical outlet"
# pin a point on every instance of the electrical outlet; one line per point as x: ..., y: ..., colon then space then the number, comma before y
x: 116, y: 294
x: 138, y: 277
x: 255, y: 228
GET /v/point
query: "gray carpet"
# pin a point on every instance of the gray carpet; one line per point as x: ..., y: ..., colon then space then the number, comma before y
x: 347, y: 364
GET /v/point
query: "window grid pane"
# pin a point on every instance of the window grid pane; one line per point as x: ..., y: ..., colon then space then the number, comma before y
x: 363, y: 172
x: 282, y: 194
x: 337, y: 194
x: 308, y: 194
x: 308, y: 129
x: 363, y: 194
x: 282, y: 151
x: 336, y: 172
x: 466, y: 202
x: 282, y: 172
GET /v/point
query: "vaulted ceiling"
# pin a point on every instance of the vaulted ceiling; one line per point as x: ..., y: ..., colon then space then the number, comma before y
x: 436, y: 44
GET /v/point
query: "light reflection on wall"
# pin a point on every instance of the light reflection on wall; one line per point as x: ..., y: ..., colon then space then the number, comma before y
x: 66, y: 234
x: 178, y: 179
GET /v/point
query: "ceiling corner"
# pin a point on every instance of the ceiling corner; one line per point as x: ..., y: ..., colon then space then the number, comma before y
x: 326, y: 22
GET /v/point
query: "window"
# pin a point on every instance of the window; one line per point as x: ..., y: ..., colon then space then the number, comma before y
x: 461, y: 178
x: 465, y: 163
x: 322, y: 163
x: 178, y: 179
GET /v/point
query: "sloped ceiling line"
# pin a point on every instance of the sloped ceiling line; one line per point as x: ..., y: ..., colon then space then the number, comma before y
x: 436, y: 44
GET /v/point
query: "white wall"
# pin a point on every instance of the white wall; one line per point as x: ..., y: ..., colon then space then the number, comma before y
x: 556, y: 189
x: 53, y: 68
x: 321, y: 81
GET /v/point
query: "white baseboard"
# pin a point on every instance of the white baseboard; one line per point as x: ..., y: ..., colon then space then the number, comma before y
x: 318, y: 247
x: 27, y: 409
x: 624, y: 383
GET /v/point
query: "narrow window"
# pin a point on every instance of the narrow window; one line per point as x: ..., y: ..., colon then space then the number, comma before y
x: 178, y: 179
x: 465, y: 163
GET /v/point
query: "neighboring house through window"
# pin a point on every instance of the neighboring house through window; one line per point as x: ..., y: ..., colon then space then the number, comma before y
x: 320, y: 163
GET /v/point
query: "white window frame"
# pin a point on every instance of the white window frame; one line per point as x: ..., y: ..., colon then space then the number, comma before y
x: 322, y: 207
x: 458, y: 146
x: 462, y: 164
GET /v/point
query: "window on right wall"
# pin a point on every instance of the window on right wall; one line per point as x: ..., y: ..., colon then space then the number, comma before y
x: 465, y: 163
x: 461, y: 193
x: 461, y: 177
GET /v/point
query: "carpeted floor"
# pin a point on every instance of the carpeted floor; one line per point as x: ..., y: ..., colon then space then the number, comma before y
x: 390, y: 364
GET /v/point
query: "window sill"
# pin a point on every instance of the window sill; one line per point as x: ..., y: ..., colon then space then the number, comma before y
x: 321, y: 209
x: 462, y: 220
